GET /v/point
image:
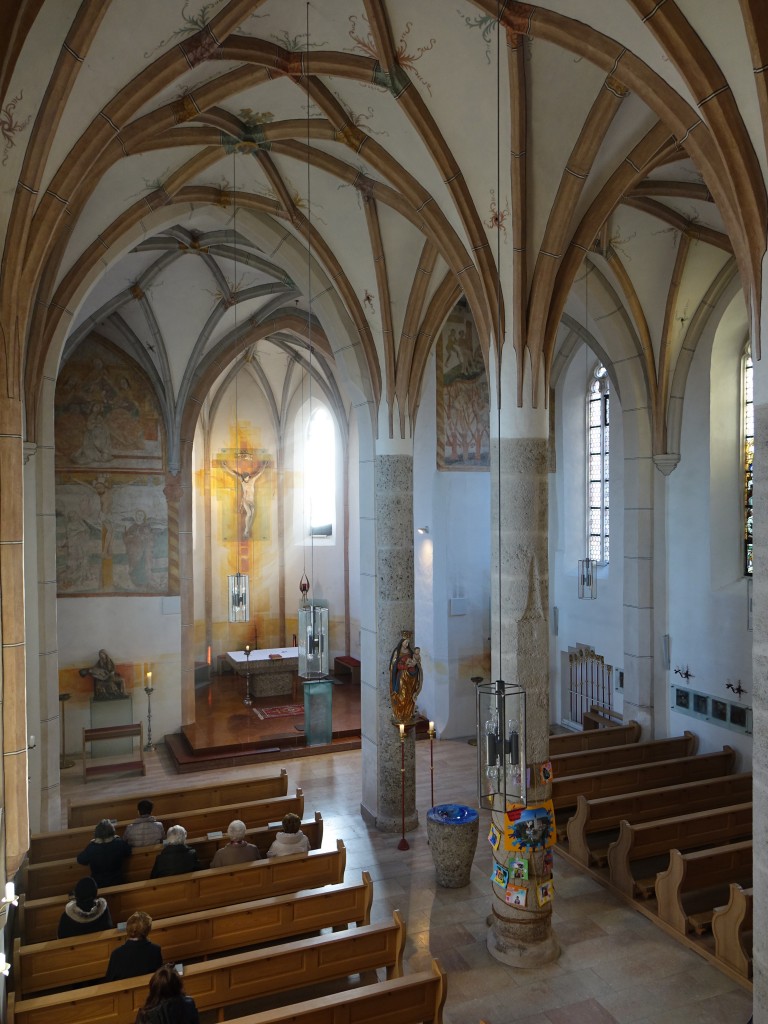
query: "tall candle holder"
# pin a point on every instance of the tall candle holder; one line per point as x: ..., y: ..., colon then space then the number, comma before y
x: 403, y: 844
x: 247, y: 699
x: 149, y: 690
x: 431, y: 764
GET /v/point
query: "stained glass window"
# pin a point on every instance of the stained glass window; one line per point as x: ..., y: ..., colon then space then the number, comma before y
x: 749, y: 453
x: 598, y: 448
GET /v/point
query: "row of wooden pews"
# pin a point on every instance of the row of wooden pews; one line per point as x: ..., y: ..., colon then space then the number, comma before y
x: 257, y: 930
x: 683, y: 847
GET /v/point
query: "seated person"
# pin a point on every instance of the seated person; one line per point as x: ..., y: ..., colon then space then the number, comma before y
x: 176, y: 858
x: 237, y: 851
x: 105, y: 855
x: 291, y: 839
x: 167, y: 1002
x: 137, y: 955
x: 146, y: 830
x: 87, y: 912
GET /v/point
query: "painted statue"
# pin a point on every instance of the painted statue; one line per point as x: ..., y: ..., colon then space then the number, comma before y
x: 108, y: 684
x: 405, y: 680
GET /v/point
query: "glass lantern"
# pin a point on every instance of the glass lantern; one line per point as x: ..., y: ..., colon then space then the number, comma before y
x: 313, y: 638
x: 501, y: 779
x: 239, y: 604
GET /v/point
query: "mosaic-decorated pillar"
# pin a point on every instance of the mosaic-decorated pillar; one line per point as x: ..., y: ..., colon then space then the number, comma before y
x: 521, y: 935
x: 388, y: 610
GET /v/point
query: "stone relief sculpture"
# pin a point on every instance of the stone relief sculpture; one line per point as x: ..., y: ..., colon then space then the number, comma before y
x: 405, y: 680
x: 108, y: 684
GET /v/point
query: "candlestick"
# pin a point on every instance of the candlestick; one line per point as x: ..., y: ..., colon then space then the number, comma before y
x: 431, y: 764
x: 149, y: 689
x: 247, y: 700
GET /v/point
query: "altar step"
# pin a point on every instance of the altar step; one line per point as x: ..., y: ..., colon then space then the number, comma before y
x: 189, y: 757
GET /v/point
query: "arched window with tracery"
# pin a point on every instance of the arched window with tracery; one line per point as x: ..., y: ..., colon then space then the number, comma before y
x: 320, y: 473
x: 598, y: 472
x: 748, y: 453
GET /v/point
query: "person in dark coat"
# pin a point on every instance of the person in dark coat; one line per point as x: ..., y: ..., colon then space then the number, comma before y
x: 167, y: 1002
x: 176, y: 858
x: 87, y: 912
x: 105, y: 855
x: 137, y: 955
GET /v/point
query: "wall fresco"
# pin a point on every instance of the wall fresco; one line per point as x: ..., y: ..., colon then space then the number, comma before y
x: 463, y: 400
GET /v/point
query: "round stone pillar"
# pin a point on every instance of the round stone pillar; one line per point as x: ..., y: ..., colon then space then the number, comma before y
x: 522, y: 936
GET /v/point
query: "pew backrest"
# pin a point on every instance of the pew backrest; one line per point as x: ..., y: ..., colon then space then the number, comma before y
x: 592, y: 739
x: 683, y: 832
x: 565, y: 791
x: 204, y: 890
x: 712, y: 870
x: 60, y: 963
x: 234, y: 979
x: 605, y: 813
x: 175, y: 802
x: 602, y: 759
x: 56, y: 877
x: 46, y: 846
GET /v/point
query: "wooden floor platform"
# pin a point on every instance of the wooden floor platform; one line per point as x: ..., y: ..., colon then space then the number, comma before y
x: 228, y: 732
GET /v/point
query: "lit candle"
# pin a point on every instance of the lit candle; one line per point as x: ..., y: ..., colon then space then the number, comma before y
x: 209, y: 654
x: 10, y: 892
x: 247, y: 648
x: 149, y: 679
x: 402, y: 733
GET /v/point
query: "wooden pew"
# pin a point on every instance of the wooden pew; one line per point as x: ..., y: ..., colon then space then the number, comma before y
x: 68, y: 843
x: 570, y: 742
x: 732, y: 929
x: 695, y: 883
x: 652, y: 839
x: 179, y: 800
x: 204, y: 890
x: 415, y: 999
x: 600, y: 717
x: 230, y: 980
x: 604, y: 815
x: 56, y: 877
x: 601, y: 760
x: 61, y: 963
x: 565, y: 791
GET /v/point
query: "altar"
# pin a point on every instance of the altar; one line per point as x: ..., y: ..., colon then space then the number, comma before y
x: 272, y: 670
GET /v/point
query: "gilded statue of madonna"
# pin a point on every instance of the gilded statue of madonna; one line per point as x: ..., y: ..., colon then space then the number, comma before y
x: 405, y: 680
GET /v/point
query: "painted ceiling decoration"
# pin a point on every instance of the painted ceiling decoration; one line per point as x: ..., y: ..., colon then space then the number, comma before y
x: 445, y: 161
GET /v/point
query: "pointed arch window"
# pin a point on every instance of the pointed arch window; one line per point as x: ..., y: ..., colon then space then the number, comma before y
x: 748, y: 453
x: 598, y: 471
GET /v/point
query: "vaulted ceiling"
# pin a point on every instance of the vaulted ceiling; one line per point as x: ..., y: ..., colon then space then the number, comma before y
x: 195, y: 178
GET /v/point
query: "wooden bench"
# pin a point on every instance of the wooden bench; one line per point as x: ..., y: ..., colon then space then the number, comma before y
x: 204, y: 890
x: 69, y: 842
x: 653, y: 839
x: 347, y: 666
x: 566, y: 791
x: 46, y: 966
x: 600, y: 717
x: 582, y: 761
x: 230, y: 980
x: 117, y: 763
x: 176, y: 801
x: 695, y: 883
x: 604, y: 815
x: 56, y: 877
x: 569, y: 742
x: 415, y: 999
x: 732, y: 929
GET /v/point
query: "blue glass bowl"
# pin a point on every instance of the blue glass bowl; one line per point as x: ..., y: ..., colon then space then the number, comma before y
x: 453, y: 814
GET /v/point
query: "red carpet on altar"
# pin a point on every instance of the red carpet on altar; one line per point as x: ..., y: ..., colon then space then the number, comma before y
x: 281, y: 711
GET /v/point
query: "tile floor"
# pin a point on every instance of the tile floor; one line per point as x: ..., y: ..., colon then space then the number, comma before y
x: 615, y: 965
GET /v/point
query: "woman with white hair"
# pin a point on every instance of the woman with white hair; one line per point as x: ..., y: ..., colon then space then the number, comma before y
x: 176, y: 858
x: 237, y: 850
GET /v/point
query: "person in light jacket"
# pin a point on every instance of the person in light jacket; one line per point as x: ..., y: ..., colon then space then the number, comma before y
x: 291, y: 839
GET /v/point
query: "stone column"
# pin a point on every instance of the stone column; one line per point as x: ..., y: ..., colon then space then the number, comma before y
x: 760, y: 684
x: 178, y: 493
x: 522, y: 937
x: 387, y: 611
